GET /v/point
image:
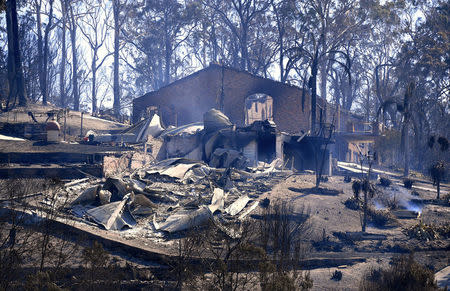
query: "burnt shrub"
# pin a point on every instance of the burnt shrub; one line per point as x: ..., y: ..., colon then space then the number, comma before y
x: 385, y: 182
x: 337, y: 275
x: 389, y: 200
x: 438, y: 173
x: 273, y: 246
x: 446, y: 198
x: 345, y: 237
x: 408, y: 183
x: 403, y: 274
x: 379, y: 218
x: 368, y: 187
x: 325, y: 244
x: 431, y: 141
x: 95, y: 260
x: 443, y: 142
x: 356, y: 187
x: 353, y: 203
x: 282, y: 233
x: 41, y: 281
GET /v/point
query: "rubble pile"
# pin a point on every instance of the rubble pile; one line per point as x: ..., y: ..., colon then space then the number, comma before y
x: 174, y: 195
x: 202, y: 172
x: 429, y: 232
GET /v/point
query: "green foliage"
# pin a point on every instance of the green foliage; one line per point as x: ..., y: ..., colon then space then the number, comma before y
x: 403, y: 274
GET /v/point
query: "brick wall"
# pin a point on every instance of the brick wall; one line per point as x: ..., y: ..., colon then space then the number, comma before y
x: 258, y: 110
x: 184, y: 101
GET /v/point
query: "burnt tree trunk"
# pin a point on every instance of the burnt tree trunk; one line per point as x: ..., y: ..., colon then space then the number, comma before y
x: 167, y: 53
x: 406, y: 119
x: 40, y: 46
x: 364, y: 222
x: 323, y: 78
x: 168, y: 57
x: 405, y: 136
x: 15, y: 73
x: 116, y: 85
x: 94, y: 82
x: 215, y: 46
x: 44, y: 72
x: 73, y: 39
x: 313, y: 87
x: 438, y: 189
x: 62, y: 71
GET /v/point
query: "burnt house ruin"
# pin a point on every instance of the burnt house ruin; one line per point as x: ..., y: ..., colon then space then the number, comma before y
x: 229, y: 90
x: 248, y: 100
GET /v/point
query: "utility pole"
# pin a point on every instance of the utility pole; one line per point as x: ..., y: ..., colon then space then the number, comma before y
x: 81, y: 128
x: 65, y: 121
